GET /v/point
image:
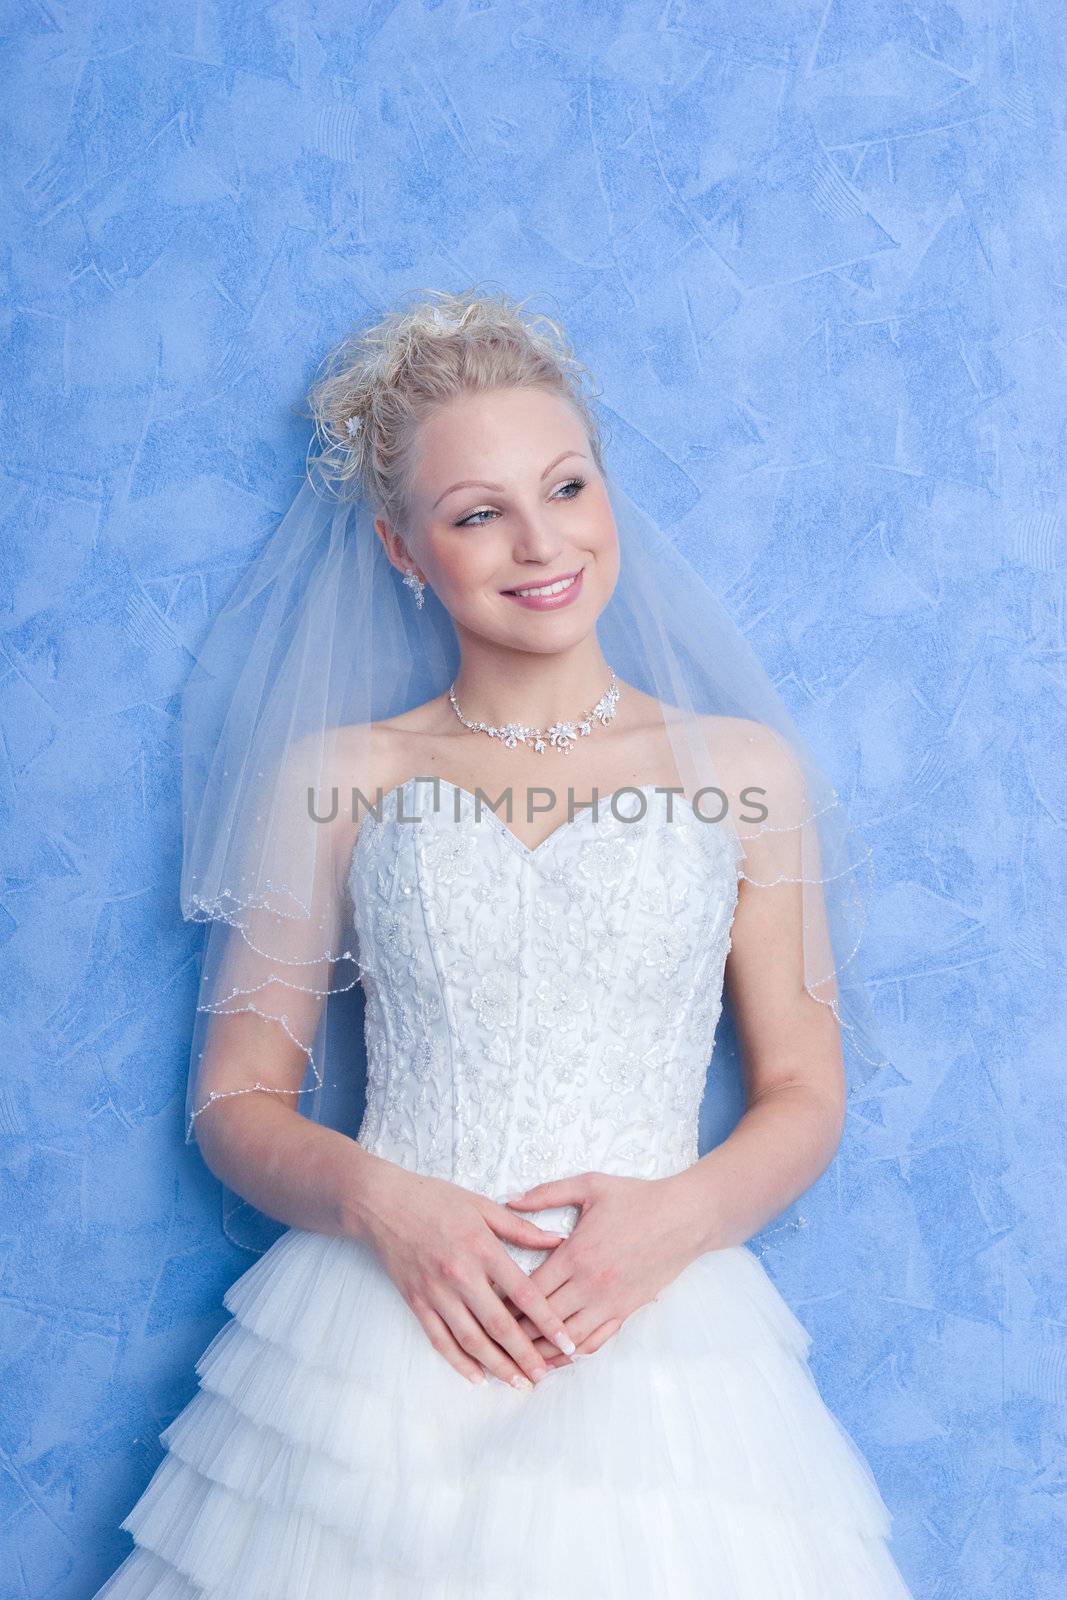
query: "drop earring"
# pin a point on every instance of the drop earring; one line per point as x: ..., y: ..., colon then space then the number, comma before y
x: 415, y: 584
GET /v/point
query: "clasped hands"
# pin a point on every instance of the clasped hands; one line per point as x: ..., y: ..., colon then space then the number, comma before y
x: 629, y: 1242
x: 443, y: 1245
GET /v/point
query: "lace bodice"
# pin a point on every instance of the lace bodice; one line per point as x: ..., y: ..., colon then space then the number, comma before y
x: 536, y: 1012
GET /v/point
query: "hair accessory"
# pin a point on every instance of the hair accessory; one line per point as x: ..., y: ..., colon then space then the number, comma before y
x: 353, y: 426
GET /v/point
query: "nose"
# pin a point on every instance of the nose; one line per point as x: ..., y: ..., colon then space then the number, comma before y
x: 536, y: 540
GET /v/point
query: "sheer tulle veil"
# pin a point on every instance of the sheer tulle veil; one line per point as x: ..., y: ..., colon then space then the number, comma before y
x: 319, y: 640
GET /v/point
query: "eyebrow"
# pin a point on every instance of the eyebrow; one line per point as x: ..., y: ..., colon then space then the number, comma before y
x: 476, y: 483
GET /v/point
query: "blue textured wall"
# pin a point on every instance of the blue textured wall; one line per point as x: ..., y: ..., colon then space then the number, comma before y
x: 811, y: 250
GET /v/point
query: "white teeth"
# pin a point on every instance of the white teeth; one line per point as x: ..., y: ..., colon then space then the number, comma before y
x: 551, y: 588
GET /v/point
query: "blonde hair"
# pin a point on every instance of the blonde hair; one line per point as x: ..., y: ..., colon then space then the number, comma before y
x: 380, y: 383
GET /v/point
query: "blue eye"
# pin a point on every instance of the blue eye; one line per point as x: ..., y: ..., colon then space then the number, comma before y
x: 577, y: 484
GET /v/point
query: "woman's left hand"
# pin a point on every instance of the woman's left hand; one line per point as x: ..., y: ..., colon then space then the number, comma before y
x: 633, y: 1237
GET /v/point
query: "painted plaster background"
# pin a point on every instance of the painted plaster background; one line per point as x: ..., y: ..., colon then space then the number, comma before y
x: 814, y: 254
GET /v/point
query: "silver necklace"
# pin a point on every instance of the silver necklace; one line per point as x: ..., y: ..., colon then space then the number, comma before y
x: 560, y: 736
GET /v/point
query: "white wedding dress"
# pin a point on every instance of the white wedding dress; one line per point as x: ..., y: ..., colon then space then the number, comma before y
x: 530, y: 1014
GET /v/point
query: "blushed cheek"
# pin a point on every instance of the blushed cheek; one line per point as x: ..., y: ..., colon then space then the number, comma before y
x: 457, y: 568
x: 464, y: 580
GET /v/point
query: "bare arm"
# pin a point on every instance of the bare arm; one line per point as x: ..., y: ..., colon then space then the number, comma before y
x: 259, y: 1143
x: 263, y: 1148
x: 794, y: 1082
x: 790, y: 1042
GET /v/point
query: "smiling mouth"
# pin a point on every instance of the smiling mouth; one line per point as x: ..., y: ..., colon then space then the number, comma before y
x: 552, y: 587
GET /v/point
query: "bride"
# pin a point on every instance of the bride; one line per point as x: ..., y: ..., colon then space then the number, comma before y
x: 544, y: 875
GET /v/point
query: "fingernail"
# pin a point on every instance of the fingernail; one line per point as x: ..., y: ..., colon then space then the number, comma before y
x: 519, y: 1382
x: 511, y: 1199
x: 477, y: 1377
x: 538, y: 1373
x: 566, y: 1344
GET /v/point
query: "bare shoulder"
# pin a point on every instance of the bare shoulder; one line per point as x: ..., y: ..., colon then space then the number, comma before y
x: 360, y: 754
x: 383, y: 754
x: 740, y: 733
x: 750, y: 754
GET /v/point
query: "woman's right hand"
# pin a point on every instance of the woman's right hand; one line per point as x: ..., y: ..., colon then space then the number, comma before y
x: 441, y: 1245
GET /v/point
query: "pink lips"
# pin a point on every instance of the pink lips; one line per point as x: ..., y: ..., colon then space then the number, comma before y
x: 549, y: 602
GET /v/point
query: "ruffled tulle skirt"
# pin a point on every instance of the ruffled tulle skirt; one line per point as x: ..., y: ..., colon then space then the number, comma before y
x: 331, y: 1453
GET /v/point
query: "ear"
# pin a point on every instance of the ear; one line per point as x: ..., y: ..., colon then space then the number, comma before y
x: 395, y: 548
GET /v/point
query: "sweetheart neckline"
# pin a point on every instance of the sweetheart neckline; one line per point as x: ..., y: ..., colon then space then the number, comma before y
x: 528, y: 852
